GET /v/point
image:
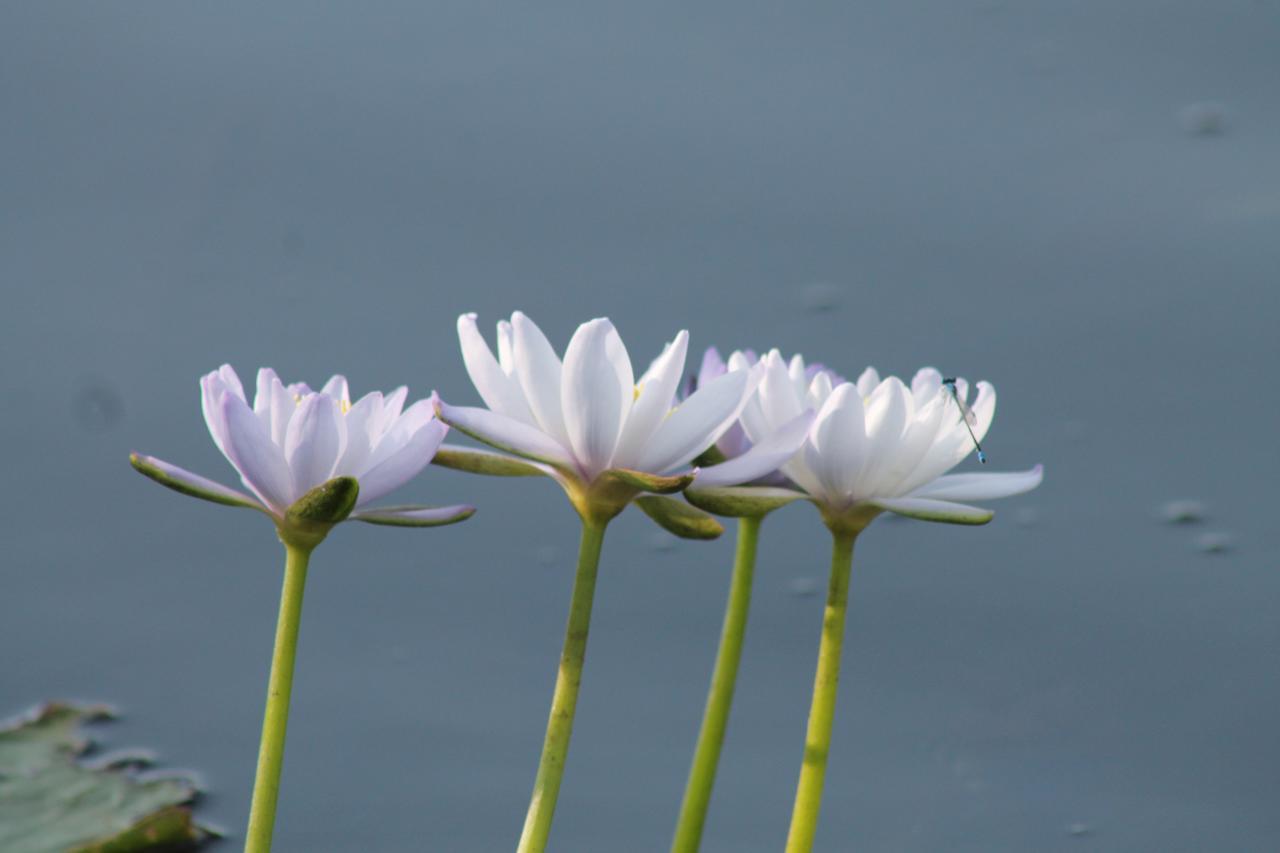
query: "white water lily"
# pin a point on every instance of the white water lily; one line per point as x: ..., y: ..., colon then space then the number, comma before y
x: 878, y: 444
x: 293, y: 440
x: 588, y: 416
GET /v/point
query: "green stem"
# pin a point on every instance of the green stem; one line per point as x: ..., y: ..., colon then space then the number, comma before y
x: 555, y: 747
x: 715, y: 718
x: 266, y: 785
x: 817, y: 744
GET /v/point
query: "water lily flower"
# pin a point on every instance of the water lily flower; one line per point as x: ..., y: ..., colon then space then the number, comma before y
x: 309, y: 460
x: 588, y: 422
x: 608, y: 439
x: 876, y: 445
x: 293, y: 439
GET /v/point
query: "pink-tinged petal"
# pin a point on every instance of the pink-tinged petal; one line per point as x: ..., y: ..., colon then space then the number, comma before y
x: 657, y: 393
x: 359, y: 444
x: 981, y: 487
x: 313, y: 443
x: 696, y: 423
x: 538, y: 369
x: 837, y: 452
x: 712, y: 366
x: 212, y: 390
x: 337, y: 388
x: 933, y: 510
x: 499, y: 391
x: 778, y: 398
x: 398, y: 433
x: 506, y: 434
x: 228, y: 376
x: 415, y: 516
x: 262, y: 396
x: 403, y: 465
x: 392, y: 405
x: 182, y: 480
x: 283, y: 406
x: 763, y: 458
x: 260, y: 462
x: 591, y: 396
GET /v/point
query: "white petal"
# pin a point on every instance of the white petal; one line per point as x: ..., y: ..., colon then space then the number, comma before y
x: 657, y: 394
x: 777, y: 394
x: 981, y: 487
x: 837, y: 452
x: 262, y: 396
x: 712, y: 366
x: 592, y: 395
x: 868, y: 381
x: 415, y: 516
x: 886, y: 420
x: 506, y: 434
x: 696, y: 423
x: 925, y: 384
x: 260, y: 462
x: 538, y: 369
x: 281, y: 407
x: 398, y: 432
x: 228, y: 375
x: 313, y: 443
x: 337, y: 388
x: 763, y: 458
x: 931, y: 510
x: 499, y: 391
x: 360, y: 438
x: 212, y: 390
x: 506, y: 348
x: 403, y: 465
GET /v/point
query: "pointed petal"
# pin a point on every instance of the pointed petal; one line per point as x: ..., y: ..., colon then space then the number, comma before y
x: 925, y: 384
x: 262, y: 396
x: 837, y: 450
x: 260, y: 462
x: 696, y: 423
x: 313, y: 442
x: 778, y: 398
x: 499, y: 391
x: 212, y: 390
x: 229, y: 378
x: 867, y: 381
x: 182, y: 480
x: 981, y: 487
x: 712, y: 366
x: 932, y: 510
x: 404, y: 464
x: 414, y: 516
x: 591, y: 396
x: 763, y: 458
x: 360, y: 437
x: 476, y: 461
x: 886, y: 420
x: 337, y: 388
x: 506, y: 434
x: 657, y: 394
x: 538, y: 369
x: 506, y: 348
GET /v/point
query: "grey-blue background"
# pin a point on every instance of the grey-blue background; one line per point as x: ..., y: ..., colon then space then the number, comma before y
x: 1031, y: 193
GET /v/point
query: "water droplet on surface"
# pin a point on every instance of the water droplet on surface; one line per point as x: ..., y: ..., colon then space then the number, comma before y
x: 1078, y: 830
x: 1205, y: 118
x: 1215, y: 542
x: 821, y: 296
x: 803, y: 587
x: 1183, y: 511
x: 97, y: 406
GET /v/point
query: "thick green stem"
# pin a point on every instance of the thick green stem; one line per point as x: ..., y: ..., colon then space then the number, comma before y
x: 266, y: 785
x: 817, y: 743
x: 715, y: 718
x: 555, y: 747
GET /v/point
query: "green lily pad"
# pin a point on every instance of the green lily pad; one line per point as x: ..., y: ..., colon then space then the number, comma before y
x: 50, y: 802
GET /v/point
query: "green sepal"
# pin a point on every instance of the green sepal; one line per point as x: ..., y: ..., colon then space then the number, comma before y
x: 711, y: 456
x: 310, y: 518
x: 387, y: 515
x: 678, y: 517
x: 144, y: 467
x: 487, y: 462
x: 741, y: 501
x: 653, y: 483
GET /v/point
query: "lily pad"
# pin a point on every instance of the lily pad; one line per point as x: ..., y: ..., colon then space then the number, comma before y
x: 50, y: 802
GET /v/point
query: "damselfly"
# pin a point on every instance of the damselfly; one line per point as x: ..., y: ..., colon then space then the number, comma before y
x: 966, y: 415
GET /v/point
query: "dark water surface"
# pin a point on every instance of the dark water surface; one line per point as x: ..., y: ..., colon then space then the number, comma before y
x: 1079, y: 202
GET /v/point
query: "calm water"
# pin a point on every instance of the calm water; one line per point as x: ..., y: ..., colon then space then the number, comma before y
x: 1078, y: 202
